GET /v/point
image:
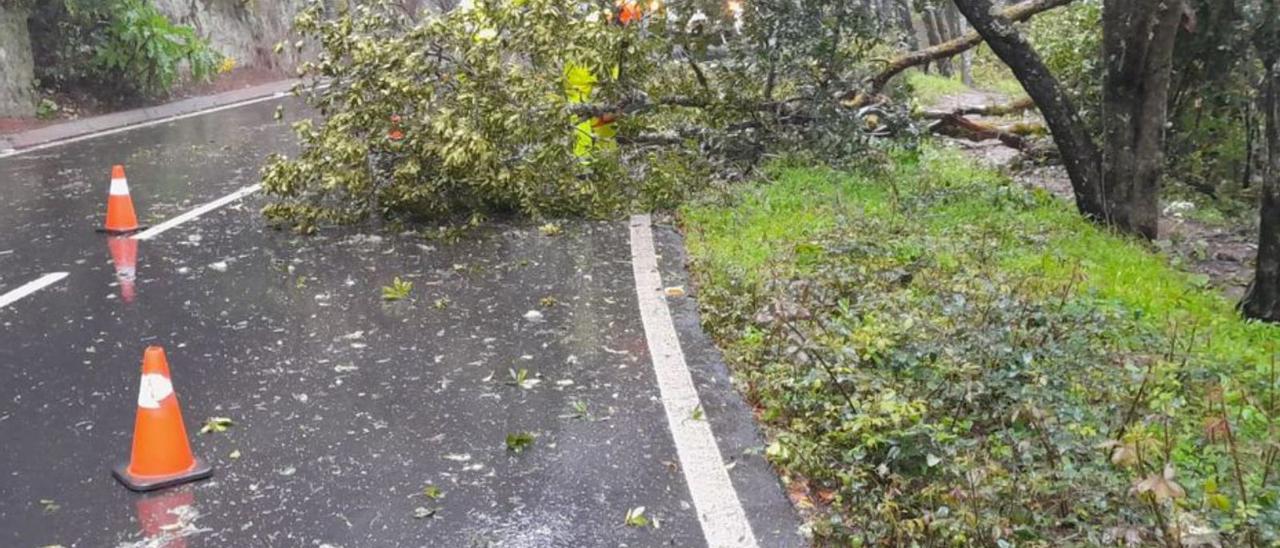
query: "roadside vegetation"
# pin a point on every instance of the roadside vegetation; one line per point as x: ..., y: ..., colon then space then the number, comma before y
x: 942, y: 356
x: 114, y: 52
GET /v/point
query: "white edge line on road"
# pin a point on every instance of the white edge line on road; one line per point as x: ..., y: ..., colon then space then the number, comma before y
x: 31, y: 287
x: 139, y: 125
x: 724, y: 522
x: 190, y: 215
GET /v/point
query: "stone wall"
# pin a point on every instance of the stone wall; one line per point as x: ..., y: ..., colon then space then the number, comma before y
x: 246, y: 30
x: 17, y: 97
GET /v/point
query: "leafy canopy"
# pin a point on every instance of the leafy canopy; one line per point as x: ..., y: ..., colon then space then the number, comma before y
x: 551, y: 108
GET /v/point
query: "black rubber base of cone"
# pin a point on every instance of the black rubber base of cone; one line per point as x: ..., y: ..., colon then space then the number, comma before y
x: 108, y: 232
x: 199, y: 471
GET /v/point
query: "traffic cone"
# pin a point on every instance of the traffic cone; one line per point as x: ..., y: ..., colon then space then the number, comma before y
x: 121, y: 218
x: 124, y: 253
x: 161, y: 452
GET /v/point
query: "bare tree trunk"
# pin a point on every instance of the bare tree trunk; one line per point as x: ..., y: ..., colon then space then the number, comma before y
x: 1080, y: 153
x: 936, y: 28
x: 1138, y: 38
x: 903, y: 8
x: 956, y: 29
x: 1019, y: 12
x: 1263, y: 300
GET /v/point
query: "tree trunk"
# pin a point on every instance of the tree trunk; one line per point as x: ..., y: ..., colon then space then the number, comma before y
x: 936, y: 28
x: 1080, y: 154
x: 955, y: 26
x: 903, y: 8
x: 17, y: 73
x: 1138, y: 38
x: 1263, y: 299
x: 1019, y: 12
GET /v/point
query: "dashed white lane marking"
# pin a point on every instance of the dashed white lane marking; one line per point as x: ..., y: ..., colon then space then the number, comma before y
x: 165, y: 226
x: 724, y: 522
x: 149, y: 123
x: 31, y: 287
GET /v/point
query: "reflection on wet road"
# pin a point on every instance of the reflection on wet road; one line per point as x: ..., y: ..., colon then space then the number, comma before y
x: 346, y: 408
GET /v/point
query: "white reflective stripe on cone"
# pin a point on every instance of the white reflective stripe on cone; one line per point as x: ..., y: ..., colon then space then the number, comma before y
x: 153, y: 390
x: 119, y: 187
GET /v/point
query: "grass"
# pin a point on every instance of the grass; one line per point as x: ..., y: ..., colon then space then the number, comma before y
x: 928, y: 89
x: 756, y: 235
x: 935, y: 293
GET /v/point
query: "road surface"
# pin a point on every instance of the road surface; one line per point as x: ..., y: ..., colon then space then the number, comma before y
x: 347, y: 408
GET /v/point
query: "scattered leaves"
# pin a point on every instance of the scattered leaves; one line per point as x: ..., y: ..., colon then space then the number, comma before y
x: 517, y: 442
x: 214, y: 425
x: 521, y: 378
x: 397, y: 291
x: 636, y: 518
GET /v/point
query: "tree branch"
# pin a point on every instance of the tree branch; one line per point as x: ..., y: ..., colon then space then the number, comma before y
x: 1016, y: 13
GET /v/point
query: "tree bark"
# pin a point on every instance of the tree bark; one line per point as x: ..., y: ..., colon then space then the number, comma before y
x: 1263, y: 300
x: 1018, y: 13
x: 17, y: 72
x: 936, y: 29
x: 956, y: 26
x: 903, y: 9
x: 1080, y: 154
x: 1138, y: 39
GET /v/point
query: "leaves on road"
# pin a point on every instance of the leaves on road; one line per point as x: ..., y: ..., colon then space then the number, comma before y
x: 521, y: 378
x: 636, y: 518
x: 517, y: 442
x: 397, y: 291
x: 214, y: 425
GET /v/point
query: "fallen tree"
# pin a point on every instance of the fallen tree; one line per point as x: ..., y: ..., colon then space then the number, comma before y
x: 549, y: 108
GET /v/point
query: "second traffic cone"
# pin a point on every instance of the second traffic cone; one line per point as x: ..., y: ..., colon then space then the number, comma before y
x: 161, y: 454
x: 124, y: 254
x: 121, y: 219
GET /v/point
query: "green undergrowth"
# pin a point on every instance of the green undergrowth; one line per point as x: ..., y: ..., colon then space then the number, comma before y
x: 941, y: 357
x: 928, y: 89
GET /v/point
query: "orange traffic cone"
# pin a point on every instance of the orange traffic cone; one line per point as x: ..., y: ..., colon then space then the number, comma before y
x: 121, y: 218
x: 161, y: 452
x: 124, y: 253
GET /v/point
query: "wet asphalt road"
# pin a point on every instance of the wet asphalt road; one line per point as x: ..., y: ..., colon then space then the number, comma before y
x: 345, y: 407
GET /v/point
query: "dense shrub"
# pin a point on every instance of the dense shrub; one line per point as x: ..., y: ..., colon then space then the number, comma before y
x: 117, y: 50
x: 943, y: 358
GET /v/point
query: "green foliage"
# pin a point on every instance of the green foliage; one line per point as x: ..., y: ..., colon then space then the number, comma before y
x: 141, y: 45
x: 929, y: 88
x: 126, y: 47
x: 517, y: 442
x: 47, y: 109
x: 942, y: 357
x: 1069, y: 39
x: 503, y: 106
x: 397, y: 291
x: 480, y: 96
x: 635, y: 517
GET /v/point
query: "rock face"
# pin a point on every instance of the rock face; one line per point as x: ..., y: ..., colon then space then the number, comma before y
x: 17, y: 97
x: 246, y: 30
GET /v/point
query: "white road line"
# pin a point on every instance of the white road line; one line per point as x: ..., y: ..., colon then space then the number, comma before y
x: 149, y: 123
x: 165, y: 226
x: 31, y: 287
x: 724, y: 522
